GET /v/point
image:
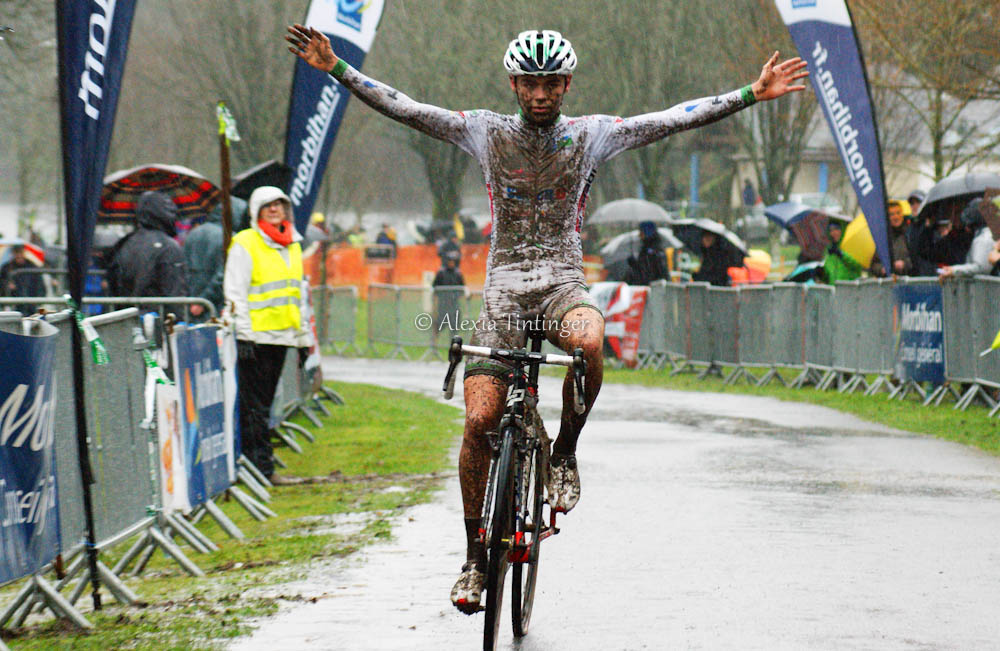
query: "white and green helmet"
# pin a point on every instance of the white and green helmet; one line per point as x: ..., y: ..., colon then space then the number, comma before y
x: 539, y: 53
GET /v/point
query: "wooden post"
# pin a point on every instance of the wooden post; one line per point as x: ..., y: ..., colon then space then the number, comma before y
x: 227, y: 208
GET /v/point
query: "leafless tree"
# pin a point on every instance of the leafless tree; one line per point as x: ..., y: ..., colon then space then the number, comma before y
x: 940, y: 58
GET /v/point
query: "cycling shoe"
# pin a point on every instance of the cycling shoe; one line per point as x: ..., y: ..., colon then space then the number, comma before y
x: 563, y: 487
x: 468, y: 591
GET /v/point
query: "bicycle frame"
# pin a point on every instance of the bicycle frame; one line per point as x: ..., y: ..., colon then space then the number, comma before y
x: 518, y: 467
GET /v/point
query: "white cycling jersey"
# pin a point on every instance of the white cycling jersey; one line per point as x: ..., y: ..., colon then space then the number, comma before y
x: 537, y: 178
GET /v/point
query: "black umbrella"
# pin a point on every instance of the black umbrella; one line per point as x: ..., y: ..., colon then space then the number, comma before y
x: 961, y: 189
x: 270, y: 172
x: 689, y: 231
x: 620, y: 248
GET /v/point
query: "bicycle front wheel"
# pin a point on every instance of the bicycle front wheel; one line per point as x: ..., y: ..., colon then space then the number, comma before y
x: 498, y: 542
x: 529, y: 526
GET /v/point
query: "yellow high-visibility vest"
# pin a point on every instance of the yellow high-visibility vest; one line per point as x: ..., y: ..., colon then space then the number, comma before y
x: 275, y: 287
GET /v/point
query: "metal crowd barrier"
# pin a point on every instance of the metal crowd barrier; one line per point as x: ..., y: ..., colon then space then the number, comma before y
x: 843, y: 336
x: 54, y: 303
x: 336, y: 317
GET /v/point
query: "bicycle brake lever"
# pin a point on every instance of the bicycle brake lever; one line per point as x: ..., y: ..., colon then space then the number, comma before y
x: 454, y: 357
x: 579, y: 369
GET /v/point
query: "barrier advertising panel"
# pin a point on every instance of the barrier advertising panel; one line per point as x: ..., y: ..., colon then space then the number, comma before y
x: 198, y: 373
x: 173, y: 475
x: 29, y: 517
x: 920, y: 333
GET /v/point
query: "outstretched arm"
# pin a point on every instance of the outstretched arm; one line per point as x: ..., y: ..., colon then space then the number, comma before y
x: 313, y: 47
x: 776, y: 79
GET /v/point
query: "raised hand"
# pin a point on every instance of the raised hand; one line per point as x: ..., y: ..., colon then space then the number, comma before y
x: 312, y: 46
x: 777, y: 79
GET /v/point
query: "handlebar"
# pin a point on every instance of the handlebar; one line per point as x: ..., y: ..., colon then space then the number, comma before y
x: 457, y: 350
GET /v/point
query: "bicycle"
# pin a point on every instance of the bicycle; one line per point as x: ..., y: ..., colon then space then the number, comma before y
x: 512, y: 525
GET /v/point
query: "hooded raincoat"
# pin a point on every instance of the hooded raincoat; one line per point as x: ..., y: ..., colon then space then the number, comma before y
x: 148, y: 262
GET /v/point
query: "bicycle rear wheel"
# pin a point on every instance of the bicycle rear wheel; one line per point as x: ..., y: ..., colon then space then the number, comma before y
x: 528, y: 528
x: 498, y: 541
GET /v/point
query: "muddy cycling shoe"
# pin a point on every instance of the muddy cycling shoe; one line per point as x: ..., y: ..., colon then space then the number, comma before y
x: 468, y: 590
x: 563, y: 486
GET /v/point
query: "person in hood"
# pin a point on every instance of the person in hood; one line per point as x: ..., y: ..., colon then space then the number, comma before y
x: 147, y: 261
x: 651, y: 263
x: 262, y: 286
x: 203, y: 258
x: 714, y: 268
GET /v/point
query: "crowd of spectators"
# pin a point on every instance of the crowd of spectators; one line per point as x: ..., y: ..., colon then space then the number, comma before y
x: 953, y: 239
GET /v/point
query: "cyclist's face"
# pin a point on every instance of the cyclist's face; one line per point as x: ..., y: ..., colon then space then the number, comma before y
x: 540, y: 97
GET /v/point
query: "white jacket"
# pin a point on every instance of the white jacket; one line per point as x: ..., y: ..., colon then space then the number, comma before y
x: 236, y: 288
x: 977, y: 259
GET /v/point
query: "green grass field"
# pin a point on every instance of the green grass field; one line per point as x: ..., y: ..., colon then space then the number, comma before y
x: 380, y: 453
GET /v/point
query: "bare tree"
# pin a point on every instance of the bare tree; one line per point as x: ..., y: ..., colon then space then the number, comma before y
x: 772, y: 134
x: 940, y: 58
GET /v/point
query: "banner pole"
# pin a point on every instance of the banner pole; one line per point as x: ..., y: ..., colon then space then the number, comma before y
x: 83, y: 452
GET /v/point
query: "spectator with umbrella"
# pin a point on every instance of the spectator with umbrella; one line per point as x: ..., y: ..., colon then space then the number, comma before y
x: 651, y: 263
x: 147, y: 261
x: 937, y: 237
x: 718, y: 247
x: 838, y: 265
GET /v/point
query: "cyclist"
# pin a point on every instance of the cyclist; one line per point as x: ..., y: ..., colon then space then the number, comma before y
x: 538, y: 166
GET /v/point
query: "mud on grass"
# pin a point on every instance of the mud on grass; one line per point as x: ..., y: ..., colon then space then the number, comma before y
x: 381, y: 453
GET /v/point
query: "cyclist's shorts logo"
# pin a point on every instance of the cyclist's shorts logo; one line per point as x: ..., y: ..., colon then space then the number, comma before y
x: 803, y: 4
x: 349, y: 12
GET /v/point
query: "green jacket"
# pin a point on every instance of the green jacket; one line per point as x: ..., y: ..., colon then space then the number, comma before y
x: 840, y: 266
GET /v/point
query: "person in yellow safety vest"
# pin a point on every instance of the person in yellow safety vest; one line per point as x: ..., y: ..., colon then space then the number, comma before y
x: 262, y: 288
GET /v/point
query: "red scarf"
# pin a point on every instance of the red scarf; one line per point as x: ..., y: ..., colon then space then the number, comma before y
x: 281, y: 234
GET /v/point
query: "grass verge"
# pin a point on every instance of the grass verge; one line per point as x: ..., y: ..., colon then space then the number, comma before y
x: 381, y: 452
x: 971, y: 427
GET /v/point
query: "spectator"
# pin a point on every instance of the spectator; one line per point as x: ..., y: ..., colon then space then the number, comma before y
x: 451, y: 244
x: 448, y: 287
x: 902, y: 264
x: 713, y: 268
x: 96, y: 283
x: 356, y: 237
x: 994, y: 259
x: 20, y: 285
x: 147, y: 261
x: 939, y: 242
x: 651, y: 263
x: 749, y: 194
x: 204, y: 260
x: 977, y: 259
x: 916, y: 199
x: 387, y: 237
x: 838, y: 265
x: 263, y: 287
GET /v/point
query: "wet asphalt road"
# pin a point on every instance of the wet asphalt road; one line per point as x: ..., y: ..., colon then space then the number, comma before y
x: 706, y: 522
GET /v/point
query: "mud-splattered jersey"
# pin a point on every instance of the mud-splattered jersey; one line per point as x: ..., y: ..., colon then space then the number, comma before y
x: 538, y: 178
